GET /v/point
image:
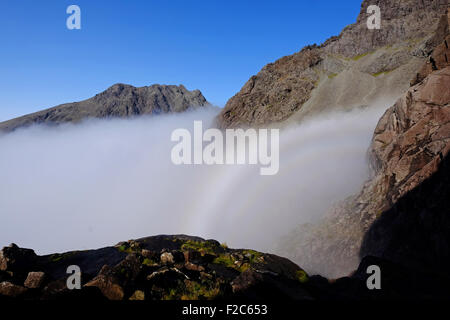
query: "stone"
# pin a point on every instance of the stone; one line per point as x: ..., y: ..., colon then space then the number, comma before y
x: 192, y: 256
x: 138, y: 295
x: 35, y: 280
x: 13, y: 258
x: 193, y: 267
x: 178, y: 256
x: 439, y: 58
x: 11, y: 290
x: 127, y: 270
x: 108, y: 285
x: 149, y: 254
x: 166, y: 277
x: 167, y: 258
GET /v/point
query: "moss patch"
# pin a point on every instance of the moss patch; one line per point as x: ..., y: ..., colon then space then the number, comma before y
x: 59, y: 257
x: 226, y: 260
x: 201, y: 246
x: 200, y: 291
x: 124, y: 248
x: 250, y: 257
x: 149, y: 262
x: 171, y: 295
x: 380, y: 73
x: 333, y: 75
x: 301, y: 276
x: 356, y: 58
x: 253, y: 256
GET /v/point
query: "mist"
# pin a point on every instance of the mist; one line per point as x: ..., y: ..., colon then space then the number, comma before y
x: 96, y: 183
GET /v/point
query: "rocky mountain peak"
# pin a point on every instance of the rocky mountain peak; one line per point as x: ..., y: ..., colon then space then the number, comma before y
x: 348, y: 70
x: 400, y: 21
x: 120, y: 100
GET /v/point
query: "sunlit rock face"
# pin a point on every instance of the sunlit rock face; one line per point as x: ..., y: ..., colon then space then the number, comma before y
x: 346, y: 71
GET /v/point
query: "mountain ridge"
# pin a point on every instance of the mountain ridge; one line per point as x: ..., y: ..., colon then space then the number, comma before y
x: 345, y: 72
x: 119, y: 100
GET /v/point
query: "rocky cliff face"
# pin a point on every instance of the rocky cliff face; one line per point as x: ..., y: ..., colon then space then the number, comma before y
x: 414, y: 232
x: 347, y: 71
x: 120, y: 100
x: 409, y: 143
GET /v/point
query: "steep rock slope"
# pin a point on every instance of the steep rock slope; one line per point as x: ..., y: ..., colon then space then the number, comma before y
x: 120, y: 100
x: 409, y: 142
x: 415, y: 231
x: 347, y: 71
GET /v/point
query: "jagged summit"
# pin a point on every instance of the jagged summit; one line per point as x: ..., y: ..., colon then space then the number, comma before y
x: 355, y: 68
x: 120, y: 100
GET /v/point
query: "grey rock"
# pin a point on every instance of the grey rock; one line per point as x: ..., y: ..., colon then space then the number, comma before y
x: 119, y: 101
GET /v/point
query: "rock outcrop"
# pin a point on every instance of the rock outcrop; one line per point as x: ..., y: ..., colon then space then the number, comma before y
x: 153, y: 268
x: 415, y: 231
x: 347, y: 71
x: 409, y: 143
x: 190, y: 268
x: 440, y: 57
x: 120, y: 100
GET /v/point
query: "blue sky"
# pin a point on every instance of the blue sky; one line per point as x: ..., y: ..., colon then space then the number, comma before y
x: 214, y: 46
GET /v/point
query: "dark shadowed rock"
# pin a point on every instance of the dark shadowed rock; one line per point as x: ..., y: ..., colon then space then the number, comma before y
x: 257, y: 285
x: 156, y: 268
x: 234, y: 273
x: 17, y: 259
x: 9, y: 289
x: 415, y: 231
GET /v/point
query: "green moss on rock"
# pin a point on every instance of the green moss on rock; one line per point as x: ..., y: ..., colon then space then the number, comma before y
x: 301, y: 276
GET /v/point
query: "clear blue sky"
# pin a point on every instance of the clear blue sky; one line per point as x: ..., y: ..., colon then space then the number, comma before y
x: 214, y: 46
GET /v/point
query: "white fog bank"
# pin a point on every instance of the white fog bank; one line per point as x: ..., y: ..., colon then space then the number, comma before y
x: 103, y: 181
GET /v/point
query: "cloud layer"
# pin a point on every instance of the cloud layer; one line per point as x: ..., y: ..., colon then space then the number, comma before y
x: 103, y: 181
